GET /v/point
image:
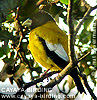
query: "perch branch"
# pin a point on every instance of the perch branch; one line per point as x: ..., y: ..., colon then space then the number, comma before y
x: 34, y: 82
x: 90, y: 9
x: 56, y: 80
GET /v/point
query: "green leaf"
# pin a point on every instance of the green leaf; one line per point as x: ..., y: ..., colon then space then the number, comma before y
x: 5, y: 35
x: 24, y: 46
x: 93, y: 79
x: 64, y: 1
x: 23, y: 2
x: 85, y: 36
x: 75, y: 1
x: 54, y: 9
x: 38, y: 69
x: 4, y: 50
x: 9, y: 18
x: 1, y: 52
x: 87, y: 71
x: 88, y: 22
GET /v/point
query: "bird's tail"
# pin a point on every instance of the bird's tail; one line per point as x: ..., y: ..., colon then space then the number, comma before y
x: 74, y: 75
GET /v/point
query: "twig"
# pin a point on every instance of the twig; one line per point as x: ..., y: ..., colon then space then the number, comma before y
x: 20, y: 33
x: 22, y: 57
x: 84, y: 18
x: 83, y: 57
x: 84, y: 3
x: 88, y: 87
x: 39, y: 2
x: 34, y: 82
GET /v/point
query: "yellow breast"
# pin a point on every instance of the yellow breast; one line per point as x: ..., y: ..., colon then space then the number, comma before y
x: 52, y: 33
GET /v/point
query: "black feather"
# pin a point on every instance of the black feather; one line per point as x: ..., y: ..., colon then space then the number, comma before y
x: 61, y: 63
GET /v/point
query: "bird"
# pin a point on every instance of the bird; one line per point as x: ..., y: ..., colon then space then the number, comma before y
x: 49, y: 45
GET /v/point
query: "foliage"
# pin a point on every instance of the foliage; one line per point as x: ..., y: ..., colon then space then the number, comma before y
x: 14, y: 40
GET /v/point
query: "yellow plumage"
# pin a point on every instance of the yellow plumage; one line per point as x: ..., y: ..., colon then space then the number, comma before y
x: 53, y: 34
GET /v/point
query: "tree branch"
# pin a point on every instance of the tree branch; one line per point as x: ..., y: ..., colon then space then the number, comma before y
x: 56, y: 80
x: 71, y: 38
x: 88, y: 87
x: 34, y: 82
x: 83, y: 57
x: 90, y: 9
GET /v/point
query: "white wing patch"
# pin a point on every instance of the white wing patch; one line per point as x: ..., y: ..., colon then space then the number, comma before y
x: 58, y: 49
